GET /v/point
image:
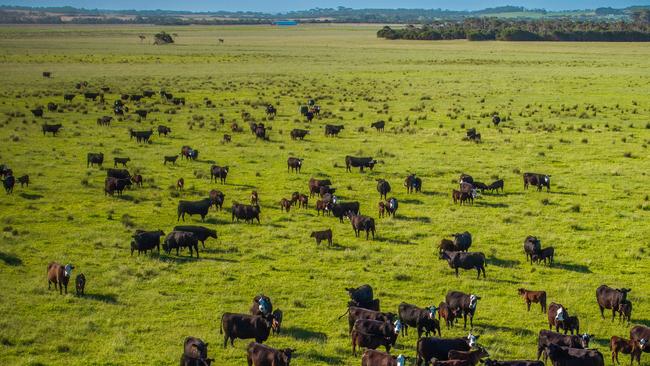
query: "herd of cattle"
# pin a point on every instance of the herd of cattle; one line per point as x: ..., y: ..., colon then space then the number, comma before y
x: 368, y: 326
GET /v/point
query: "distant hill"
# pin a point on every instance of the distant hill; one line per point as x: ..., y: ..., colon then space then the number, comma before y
x: 55, y: 15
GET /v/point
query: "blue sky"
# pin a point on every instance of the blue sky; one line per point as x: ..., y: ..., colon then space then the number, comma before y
x: 285, y: 5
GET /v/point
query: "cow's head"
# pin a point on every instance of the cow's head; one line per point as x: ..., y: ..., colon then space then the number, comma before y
x: 643, y: 343
x: 584, y: 340
x: 432, y: 311
x: 68, y: 269
x: 471, y: 340
x: 473, y: 300
x: 400, y: 360
x: 398, y: 326
x: 263, y: 305
x: 559, y: 315
x: 521, y: 291
x: 286, y: 355
x: 161, y: 233
x: 547, y: 179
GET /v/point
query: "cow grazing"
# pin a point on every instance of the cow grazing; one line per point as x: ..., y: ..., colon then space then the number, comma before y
x: 610, y: 298
x: 244, y: 326
x: 421, y: 319
x: 146, y: 240
x: 194, y: 208
x: 372, y: 357
x: 91, y: 96
x: 261, y: 355
x: 447, y: 313
x: 557, y: 316
x: 472, y: 260
x: 122, y: 161
x: 383, y: 187
x: 462, y: 241
x: 38, y: 112
x: 141, y: 136
x: 285, y: 204
x: 298, y: 134
x: 356, y: 162
x: 544, y: 255
x: 94, y: 158
x: 547, y: 337
x: 382, y: 209
x: 53, y: 129
x: 148, y: 93
x: 472, y: 356
x: 137, y: 180
x: 170, y: 159
x: 463, y: 304
x: 641, y: 334
x: 373, y: 333
x: 533, y: 297
x: 163, y: 130
x: 195, y: 349
x: 80, y: 284
x: 255, y: 198
x: 218, y: 172
x: 201, y: 233
x: 625, y: 312
x: 362, y: 223
x: 496, y: 185
x: 391, y: 206
x: 628, y: 347
x: 226, y: 138
x: 323, y: 206
x: 180, y: 184
x: 413, y: 184
x: 188, y: 153
x: 104, y: 121
x: 361, y: 313
x: 217, y: 198
x: 23, y: 180
x: 68, y: 97
x: 181, y: 239
x: 58, y: 274
x: 333, y: 130
x: 496, y: 120
x: 537, y: 180
x: 294, y: 164
x: 322, y: 235
x: 561, y: 356
x: 532, y: 246
x: 136, y: 98
x: 315, y: 184
x: 438, y: 348
x: 341, y: 209
x: 52, y: 107
x: 261, y: 305
x: 112, y: 185
x: 245, y: 212
x: 379, y: 125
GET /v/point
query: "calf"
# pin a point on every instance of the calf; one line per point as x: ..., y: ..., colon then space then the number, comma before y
x: 171, y: 159
x: 438, y: 348
x: 80, y: 284
x: 58, y: 274
x: 294, y: 164
x: 226, y: 138
x: 625, y: 312
x: 261, y: 355
x: 462, y: 303
x: 195, y: 348
x: 188, y: 153
x: 472, y: 356
x: 244, y: 326
x: 194, y: 208
x: 180, y: 184
x: 446, y: 313
x: 421, y: 319
x: 142, y: 113
x: 322, y: 235
x: 545, y: 254
x: 255, y: 198
x: 94, y: 158
x: 303, y: 200
x: 181, y: 239
x: 23, y: 180
x: 362, y: 223
x: 201, y: 233
x: 217, y: 198
x: 382, y: 209
x: 547, y: 337
x: 532, y: 246
x: 457, y: 260
x: 277, y: 321
x: 316, y: 184
x: 533, y: 296
x: 333, y: 130
x: 122, y: 161
x: 218, y: 172
x: 285, y: 204
x: 610, y: 298
x: 9, y: 183
x: 372, y: 357
x: 323, y: 206
x: 146, y: 240
x: 137, y: 180
x: 628, y: 347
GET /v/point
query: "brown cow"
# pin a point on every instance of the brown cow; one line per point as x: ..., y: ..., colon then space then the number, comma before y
x: 362, y: 223
x: 323, y: 206
x: 217, y: 198
x: 255, y: 199
x: 80, y: 284
x: 372, y: 357
x: 382, y: 209
x: 303, y: 200
x: 533, y: 296
x: 628, y: 347
x: 625, y: 312
x: 322, y: 235
x: 261, y: 355
x: 471, y: 356
x: 285, y: 204
x: 58, y: 274
x: 557, y: 316
x: 446, y: 313
x: 180, y: 184
x: 137, y: 179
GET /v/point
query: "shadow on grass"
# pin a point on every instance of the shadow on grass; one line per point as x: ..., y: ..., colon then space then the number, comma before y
x: 491, y: 204
x: 518, y: 331
x: 507, y: 263
x: 644, y: 322
x: 565, y: 193
x: 434, y: 193
x: 216, y: 221
x: 412, y: 201
x: 107, y: 298
x: 329, y: 360
x: 240, y: 185
x: 28, y: 196
x: 414, y: 218
x: 10, y: 259
x: 392, y: 241
x: 125, y: 197
x: 572, y: 267
x: 304, y: 334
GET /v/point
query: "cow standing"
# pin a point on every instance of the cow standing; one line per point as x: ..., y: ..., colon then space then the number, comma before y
x: 463, y: 304
x: 58, y: 274
x: 383, y: 187
x: 610, y: 298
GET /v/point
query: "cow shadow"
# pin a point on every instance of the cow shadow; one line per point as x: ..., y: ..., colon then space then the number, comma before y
x: 216, y: 221
x: 644, y: 322
x: 328, y: 360
x: 423, y: 219
x: 391, y: 241
x: 106, y: 298
x: 581, y: 268
x: 507, y: 263
x: 28, y: 196
x: 240, y: 185
x: 434, y: 193
x: 517, y: 331
x: 304, y: 334
x: 564, y: 193
x: 10, y: 259
x: 491, y: 204
x: 411, y: 201
x: 125, y: 197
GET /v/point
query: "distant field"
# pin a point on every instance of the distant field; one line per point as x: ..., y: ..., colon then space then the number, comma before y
x: 578, y: 112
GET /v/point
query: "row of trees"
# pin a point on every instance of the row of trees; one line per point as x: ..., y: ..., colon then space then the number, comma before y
x: 484, y: 29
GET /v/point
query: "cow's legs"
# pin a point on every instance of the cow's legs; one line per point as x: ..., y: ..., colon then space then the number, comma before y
x: 602, y: 311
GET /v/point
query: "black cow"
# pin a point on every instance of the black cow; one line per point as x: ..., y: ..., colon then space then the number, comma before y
x: 537, y: 180
x: 294, y: 164
x: 91, y: 96
x: 201, y: 233
x: 372, y: 333
x: 122, y: 161
x: 341, y: 209
x: 462, y: 241
x: 189, y: 153
x: 118, y: 173
x: 104, y: 120
x: 438, y: 348
x: 496, y: 119
x: 471, y: 260
x: 112, y: 184
x: 136, y: 98
x: 244, y: 326
x: 141, y: 136
x: 8, y: 183
x: 47, y: 74
x: 360, y: 313
x: 52, y: 107
x: 271, y: 111
x: 565, y: 356
x: 172, y: 159
x: 194, y: 208
x: 261, y: 355
x: 148, y: 93
x: 641, y: 334
x: 463, y: 304
x: 146, y: 240
x: 315, y: 184
x: 532, y: 246
x: 163, y: 130
x: 142, y: 113
x: 38, y: 112
x: 245, y: 212
x: 544, y: 254
x: 383, y: 187
x: 218, y: 172
x: 94, y: 158
x: 53, y: 129
x: 195, y: 349
x: 496, y: 185
x: 181, y: 239
x: 217, y: 199
x: 351, y: 161
x: 178, y: 101
x: 333, y: 130
x: 68, y: 97
x: 362, y: 297
x: 413, y: 183
x: 376, y: 358
x: 379, y: 125
x: 421, y: 319
x: 23, y: 180
x: 610, y: 298
x: 297, y: 133
x: 362, y: 223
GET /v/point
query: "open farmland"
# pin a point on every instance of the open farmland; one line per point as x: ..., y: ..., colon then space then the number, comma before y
x: 578, y: 112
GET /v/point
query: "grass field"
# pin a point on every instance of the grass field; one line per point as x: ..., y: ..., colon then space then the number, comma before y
x: 578, y: 112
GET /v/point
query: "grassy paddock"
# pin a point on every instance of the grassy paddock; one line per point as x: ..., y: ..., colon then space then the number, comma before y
x: 576, y: 111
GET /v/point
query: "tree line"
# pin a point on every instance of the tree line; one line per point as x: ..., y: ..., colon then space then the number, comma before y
x: 487, y: 29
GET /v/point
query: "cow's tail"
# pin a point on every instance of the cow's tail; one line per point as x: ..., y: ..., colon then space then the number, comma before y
x: 221, y: 325
x: 344, y: 314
